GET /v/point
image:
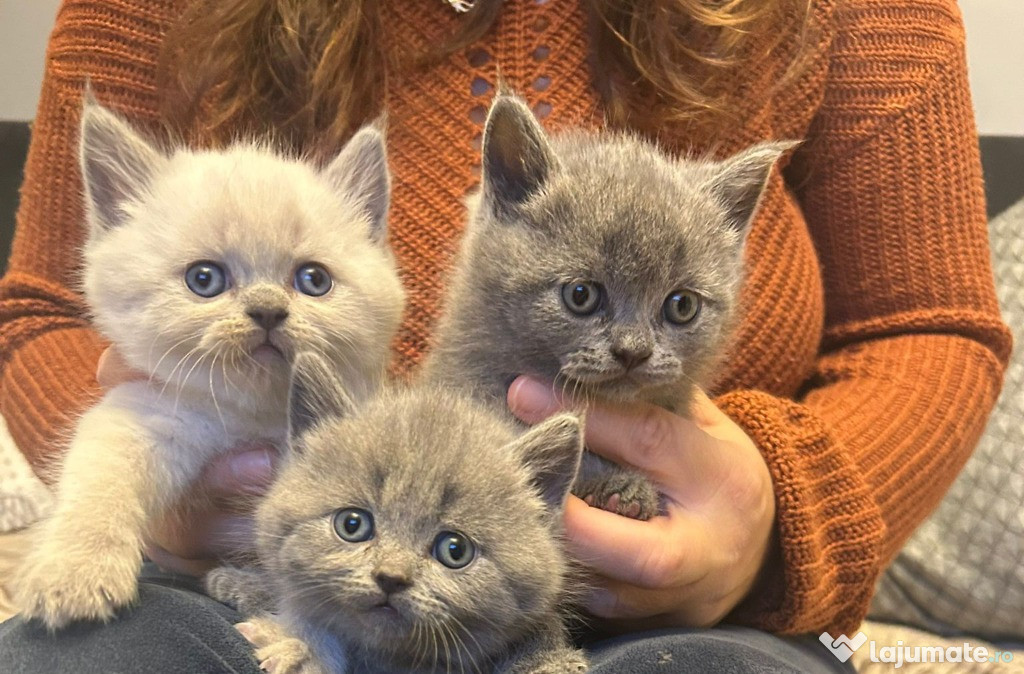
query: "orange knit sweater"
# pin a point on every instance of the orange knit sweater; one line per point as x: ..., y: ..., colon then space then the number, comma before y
x: 872, y: 347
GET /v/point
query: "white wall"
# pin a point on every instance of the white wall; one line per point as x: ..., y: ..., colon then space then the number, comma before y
x: 995, y: 53
x: 995, y: 48
x: 24, y: 27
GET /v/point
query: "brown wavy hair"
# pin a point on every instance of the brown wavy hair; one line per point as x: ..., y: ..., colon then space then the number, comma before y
x: 312, y: 71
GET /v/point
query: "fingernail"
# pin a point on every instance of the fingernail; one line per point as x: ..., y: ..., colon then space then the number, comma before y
x: 252, y: 467
x: 531, y: 399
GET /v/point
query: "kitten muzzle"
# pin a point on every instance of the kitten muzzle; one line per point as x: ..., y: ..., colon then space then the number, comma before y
x: 268, y: 353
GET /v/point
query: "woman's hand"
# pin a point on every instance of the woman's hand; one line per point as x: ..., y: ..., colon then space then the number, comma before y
x: 191, y: 539
x: 698, y: 561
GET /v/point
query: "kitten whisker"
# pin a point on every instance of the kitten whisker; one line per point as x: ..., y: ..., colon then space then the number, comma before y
x: 170, y: 375
x: 228, y: 359
x: 461, y: 644
x: 446, y: 632
x: 153, y: 370
x: 416, y: 635
x: 444, y: 643
x: 433, y: 639
x: 152, y: 343
x: 213, y: 394
x: 183, y: 383
x: 255, y: 362
x: 465, y: 630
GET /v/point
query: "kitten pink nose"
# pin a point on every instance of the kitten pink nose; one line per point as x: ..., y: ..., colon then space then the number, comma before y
x: 631, y: 357
x: 268, y: 319
x: 391, y: 580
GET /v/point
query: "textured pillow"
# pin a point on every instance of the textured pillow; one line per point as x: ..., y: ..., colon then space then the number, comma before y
x: 23, y: 498
x: 963, y: 570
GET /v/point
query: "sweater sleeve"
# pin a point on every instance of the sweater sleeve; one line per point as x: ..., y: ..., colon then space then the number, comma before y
x: 914, y: 347
x: 48, y: 352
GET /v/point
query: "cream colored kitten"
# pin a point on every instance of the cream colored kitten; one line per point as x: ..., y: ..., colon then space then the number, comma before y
x: 209, y: 271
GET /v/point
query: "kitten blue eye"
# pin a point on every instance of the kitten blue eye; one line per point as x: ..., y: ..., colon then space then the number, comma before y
x: 582, y: 297
x: 354, y: 525
x: 454, y: 550
x: 206, y: 279
x: 682, y: 306
x: 312, y: 279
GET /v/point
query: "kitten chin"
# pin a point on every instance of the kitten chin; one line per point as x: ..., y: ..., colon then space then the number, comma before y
x: 208, y: 271
x: 601, y: 264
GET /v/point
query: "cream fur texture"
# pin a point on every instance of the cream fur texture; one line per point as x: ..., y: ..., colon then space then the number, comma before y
x: 209, y: 271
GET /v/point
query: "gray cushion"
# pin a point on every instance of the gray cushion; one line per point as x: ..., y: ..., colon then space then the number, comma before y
x: 963, y: 570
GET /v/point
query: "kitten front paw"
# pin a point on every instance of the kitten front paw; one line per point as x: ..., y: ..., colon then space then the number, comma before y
x: 573, y: 663
x: 621, y: 491
x: 562, y: 660
x: 57, y: 589
x: 243, y: 589
x: 277, y: 651
x: 224, y: 584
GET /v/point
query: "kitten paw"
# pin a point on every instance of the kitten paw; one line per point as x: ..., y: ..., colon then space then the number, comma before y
x: 262, y: 631
x: 562, y: 661
x: 57, y: 589
x: 224, y: 584
x: 243, y: 589
x: 578, y: 666
x: 289, y: 656
x: 276, y: 651
x: 627, y: 493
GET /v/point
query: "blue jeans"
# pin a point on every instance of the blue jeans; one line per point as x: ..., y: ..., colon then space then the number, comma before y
x: 175, y: 628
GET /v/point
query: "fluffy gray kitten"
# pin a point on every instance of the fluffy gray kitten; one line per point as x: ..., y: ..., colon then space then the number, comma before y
x: 600, y: 263
x: 209, y: 271
x: 419, y: 533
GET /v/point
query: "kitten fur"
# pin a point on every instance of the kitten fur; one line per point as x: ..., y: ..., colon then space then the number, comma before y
x: 612, y: 210
x: 420, y: 461
x: 219, y: 366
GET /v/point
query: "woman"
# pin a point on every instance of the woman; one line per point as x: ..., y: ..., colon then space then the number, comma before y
x: 870, y: 353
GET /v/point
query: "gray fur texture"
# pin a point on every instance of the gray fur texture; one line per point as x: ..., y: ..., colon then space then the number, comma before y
x: 420, y: 462
x: 636, y: 228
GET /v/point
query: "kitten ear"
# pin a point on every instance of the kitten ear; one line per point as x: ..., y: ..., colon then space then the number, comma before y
x: 551, y: 452
x: 360, y: 172
x: 517, y: 158
x: 740, y: 181
x: 315, y: 395
x: 116, y: 163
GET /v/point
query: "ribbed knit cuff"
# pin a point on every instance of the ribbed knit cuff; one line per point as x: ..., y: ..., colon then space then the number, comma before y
x: 45, y: 386
x: 829, y: 528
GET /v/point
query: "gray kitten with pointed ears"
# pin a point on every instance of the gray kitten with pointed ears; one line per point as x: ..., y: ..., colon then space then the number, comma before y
x: 600, y: 263
x: 419, y: 533
x: 209, y: 271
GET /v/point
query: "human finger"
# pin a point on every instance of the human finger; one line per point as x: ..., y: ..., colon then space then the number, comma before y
x: 180, y: 565
x: 672, y: 450
x: 245, y: 471
x: 112, y: 369
x: 634, y: 551
x: 211, y: 532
